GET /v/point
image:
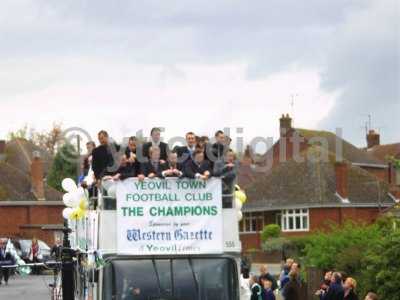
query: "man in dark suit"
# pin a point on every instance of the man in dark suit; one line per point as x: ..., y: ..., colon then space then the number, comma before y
x: 102, y: 158
x: 126, y: 169
x: 185, y: 152
x: 155, y: 141
x: 198, y: 167
x: 171, y: 168
x: 151, y: 168
x: 218, y: 148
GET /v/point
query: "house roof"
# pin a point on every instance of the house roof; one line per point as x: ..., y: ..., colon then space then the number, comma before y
x: 349, y: 152
x: 19, y: 154
x: 383, y: 152
x: 15, y: 177
x: 312, y: 183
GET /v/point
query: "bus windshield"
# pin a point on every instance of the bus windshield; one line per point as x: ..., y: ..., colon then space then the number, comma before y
x: 171, y: 279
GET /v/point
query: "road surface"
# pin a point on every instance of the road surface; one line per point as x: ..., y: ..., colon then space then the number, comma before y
x: 32, y: 287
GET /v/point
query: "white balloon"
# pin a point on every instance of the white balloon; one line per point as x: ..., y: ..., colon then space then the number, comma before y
x: 238, y: 204
x: 239, y: 215
x: 68, y: 185
x: 67, y: 212
x: 67, y: 199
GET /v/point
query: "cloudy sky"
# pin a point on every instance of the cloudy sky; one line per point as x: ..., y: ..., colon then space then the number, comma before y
x: 201, y: 65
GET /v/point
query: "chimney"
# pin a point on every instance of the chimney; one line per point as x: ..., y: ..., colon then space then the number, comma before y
x: 285, y: 123
x: 2, y: 150
x: 37, y: 176
x: 373, y: 139
x: 341, y: 175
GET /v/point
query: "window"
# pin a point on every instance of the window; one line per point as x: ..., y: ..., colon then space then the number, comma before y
x: 252, y: 222
x: 175, y: 278
x: 294, y: 219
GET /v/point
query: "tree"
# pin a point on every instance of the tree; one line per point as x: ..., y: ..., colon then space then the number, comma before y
x: 270, y: 231
x: 64, y: 165
x: 48, y: 140
x: 369, y: 253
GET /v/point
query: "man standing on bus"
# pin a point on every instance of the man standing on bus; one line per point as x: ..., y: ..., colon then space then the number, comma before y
x: 185, y: 152
x: 171, y: 168
x: 155, y: 142
x: 152, y: 168
x: 198, y: 167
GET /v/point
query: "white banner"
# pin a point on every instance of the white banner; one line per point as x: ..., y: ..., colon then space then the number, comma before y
x: 169, y: 216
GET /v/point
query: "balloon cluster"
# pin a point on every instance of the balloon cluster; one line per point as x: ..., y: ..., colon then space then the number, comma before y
x: 240, y: 199
x: 75, y: 199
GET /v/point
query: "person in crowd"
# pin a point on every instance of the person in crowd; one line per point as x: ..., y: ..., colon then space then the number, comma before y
x: 292, y: 288
x: 268, y: 293
x: 256, y: 289
x: 323, y: 289
x: 198, y: 167
x: 171, y: 168
x: 371, y: 296
x: 218, y: 148
x: 152, y: 168
x: 185, y: 152
x: 265, y: 275
x: 87, y: 160
x: 335, y: 290
x: 35, y: 255
x: 102, y: 161
x: 349, y: 286
x: 125, y: 170
x: 55, y: 251
x: 5, y: 259
x: 227, y: 169
x: 131, y: 154
x: 284, y: 276
x: 155, y: 142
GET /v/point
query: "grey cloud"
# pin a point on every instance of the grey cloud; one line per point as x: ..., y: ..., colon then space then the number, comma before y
x: 363, y: 63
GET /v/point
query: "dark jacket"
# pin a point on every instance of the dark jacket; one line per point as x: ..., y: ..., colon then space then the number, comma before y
x: 183, y: 153
x: 256, y: 292
x: 268, y: 294
x: 217, y: 151
x: 228, y: 175
x: 292, y: 290
x: 271, y: 278
x: 163, y: 150
x: 335, y: 292
x: 351, y: 296
x: 149, y: 167
x: 166, y: 166
x: 102, y: 161
x: 128, y: 170
x: 192, y: 168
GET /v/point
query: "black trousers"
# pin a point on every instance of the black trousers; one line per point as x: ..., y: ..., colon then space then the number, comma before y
x: 4, y: 273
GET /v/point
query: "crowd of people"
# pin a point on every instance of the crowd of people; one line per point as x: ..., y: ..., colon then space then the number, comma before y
x: 290, y: 285
x: 198, y: 159
x: 335, y: 286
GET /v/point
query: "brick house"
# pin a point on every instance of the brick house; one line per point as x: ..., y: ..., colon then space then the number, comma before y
x: 309, y: 179
x: 28, y: 207
x: 384, y: 153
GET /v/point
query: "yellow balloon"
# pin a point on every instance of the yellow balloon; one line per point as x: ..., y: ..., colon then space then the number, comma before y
x: 77, y: 214
x: 241, y: 196
x: 83, y: 204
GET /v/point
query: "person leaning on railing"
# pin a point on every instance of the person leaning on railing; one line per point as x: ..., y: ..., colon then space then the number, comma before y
x: 226, y: 168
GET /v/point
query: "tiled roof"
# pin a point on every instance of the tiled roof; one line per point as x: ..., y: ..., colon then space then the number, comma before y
x: 15, y: 178
x: 383, y: 152
x: 312, y: 183
x: 350, y: 152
